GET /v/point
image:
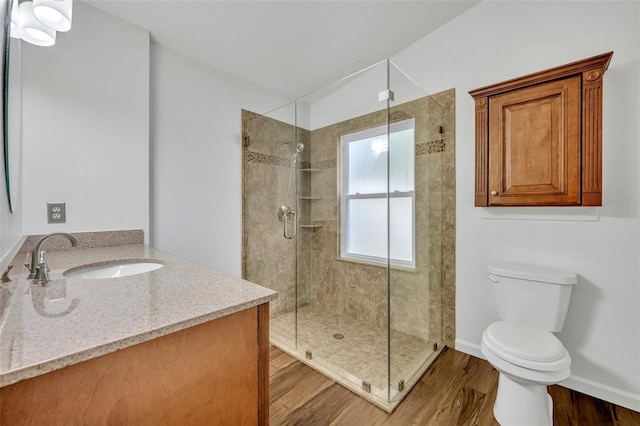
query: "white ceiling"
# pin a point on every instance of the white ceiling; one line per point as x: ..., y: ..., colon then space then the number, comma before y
x: 289, y: 47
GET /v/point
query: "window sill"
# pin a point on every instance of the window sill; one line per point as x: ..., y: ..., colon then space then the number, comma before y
x: 378, y: 265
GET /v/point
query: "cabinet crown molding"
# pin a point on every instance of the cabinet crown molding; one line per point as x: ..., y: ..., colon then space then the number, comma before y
x: 598, y: 64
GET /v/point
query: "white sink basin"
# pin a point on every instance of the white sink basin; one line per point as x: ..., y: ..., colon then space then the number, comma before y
x: 114, y: 269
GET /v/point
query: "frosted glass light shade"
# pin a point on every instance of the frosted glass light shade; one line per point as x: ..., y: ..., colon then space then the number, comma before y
x: 55, y: 14
x: 32, y: 30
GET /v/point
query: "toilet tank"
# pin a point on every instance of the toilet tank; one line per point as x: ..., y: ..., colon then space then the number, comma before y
x: 535, y: 296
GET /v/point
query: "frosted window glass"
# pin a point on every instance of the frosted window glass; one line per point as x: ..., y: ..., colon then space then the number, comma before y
x: 401, y: 161
x: 367, y: 168
x: 367, y: 233
x: 365, y: 194
x: 368, y: 165
x: 401, y: 223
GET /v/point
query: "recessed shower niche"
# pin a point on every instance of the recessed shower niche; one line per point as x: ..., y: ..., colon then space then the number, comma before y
x: 349, y: 213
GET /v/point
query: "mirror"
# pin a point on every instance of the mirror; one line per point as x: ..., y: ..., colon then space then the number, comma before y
x: 11, y: 114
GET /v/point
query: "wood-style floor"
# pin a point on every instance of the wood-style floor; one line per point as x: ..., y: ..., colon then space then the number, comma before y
x: 458, y: 389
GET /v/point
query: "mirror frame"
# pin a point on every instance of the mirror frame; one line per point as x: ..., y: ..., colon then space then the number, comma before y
x: 11, y: 113
x: 5, y: 13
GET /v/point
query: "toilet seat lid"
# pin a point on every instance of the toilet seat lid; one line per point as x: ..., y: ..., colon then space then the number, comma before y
x: 517, y: 343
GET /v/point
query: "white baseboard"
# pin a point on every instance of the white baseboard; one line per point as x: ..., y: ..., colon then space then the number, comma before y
x: 469, y: 348
x: 588, y: 387
x: 605, y: 392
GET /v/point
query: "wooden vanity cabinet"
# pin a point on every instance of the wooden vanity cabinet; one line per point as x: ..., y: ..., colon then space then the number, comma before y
x: 215, y: 373
x: 539, y: 138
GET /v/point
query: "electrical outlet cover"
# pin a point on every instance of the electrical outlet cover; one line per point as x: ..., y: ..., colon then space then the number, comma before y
x: 56, y: 213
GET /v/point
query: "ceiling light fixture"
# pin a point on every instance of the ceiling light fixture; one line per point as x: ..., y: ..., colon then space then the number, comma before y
x: 55, y: 14
x: 37, y: 21
x: 32, y: 30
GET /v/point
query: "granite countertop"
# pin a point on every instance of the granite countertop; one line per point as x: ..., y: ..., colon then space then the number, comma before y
x: 45, y: 328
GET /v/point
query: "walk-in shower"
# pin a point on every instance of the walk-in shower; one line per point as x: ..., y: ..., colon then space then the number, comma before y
x: 348, y: 213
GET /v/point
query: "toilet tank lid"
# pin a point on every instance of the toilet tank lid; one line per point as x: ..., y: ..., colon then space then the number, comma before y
x: 533, y: 273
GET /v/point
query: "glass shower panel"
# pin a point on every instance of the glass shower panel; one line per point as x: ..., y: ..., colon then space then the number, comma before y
x: 342, y: 317
x: 270, y: 157
x: 348, y: 213
x: 414, y: 290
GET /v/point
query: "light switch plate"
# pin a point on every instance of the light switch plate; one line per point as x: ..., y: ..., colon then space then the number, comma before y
x: 56, y: 213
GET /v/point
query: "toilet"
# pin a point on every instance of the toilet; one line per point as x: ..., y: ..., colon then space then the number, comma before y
x: 532, y: 304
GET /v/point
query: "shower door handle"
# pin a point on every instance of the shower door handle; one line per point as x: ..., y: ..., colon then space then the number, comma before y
x: 285, y: 215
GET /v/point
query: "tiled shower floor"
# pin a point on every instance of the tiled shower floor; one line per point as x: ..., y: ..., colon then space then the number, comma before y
x: 361, y: 355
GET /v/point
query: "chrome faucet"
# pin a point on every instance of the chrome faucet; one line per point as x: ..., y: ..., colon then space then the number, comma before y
x: 39, y: 271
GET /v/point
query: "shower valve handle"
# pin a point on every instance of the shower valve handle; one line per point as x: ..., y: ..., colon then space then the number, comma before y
x: 285, y: 214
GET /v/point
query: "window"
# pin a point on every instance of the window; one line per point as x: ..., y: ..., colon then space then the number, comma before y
x: 364, y: 186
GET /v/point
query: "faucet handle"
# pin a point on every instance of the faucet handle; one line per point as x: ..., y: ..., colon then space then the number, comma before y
x: 42, y: 275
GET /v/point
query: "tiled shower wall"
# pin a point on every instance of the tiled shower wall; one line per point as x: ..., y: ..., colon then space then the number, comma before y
x: 268, y: 258
x: 422, y: 301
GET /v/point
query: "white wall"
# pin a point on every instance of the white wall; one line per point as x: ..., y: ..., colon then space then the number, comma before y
x: 357, y: 95
x: 197, y: 158
x: 86, y: 126
x: 495, y: 41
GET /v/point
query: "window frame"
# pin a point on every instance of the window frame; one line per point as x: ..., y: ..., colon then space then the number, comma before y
x: 345, y: 196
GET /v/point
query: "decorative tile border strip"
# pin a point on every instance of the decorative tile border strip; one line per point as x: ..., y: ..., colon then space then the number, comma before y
x: 430, y: 147
x: 325, y: 164
x: 273, y: 160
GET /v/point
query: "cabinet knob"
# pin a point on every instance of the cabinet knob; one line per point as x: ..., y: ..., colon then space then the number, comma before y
x: 494, y: 192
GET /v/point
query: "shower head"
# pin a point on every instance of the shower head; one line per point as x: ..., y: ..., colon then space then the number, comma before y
x: 299, y: 146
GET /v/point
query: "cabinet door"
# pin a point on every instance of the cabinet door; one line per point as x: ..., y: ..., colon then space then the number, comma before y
x: 534, y: 145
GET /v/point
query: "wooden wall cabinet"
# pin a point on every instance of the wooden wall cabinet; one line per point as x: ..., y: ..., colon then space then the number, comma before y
x: 539, y: 138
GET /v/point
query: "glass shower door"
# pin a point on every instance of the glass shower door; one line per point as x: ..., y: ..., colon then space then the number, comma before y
x: 342, y: 233
x: 415, y: 217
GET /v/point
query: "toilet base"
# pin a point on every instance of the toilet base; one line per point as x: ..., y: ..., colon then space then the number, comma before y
x: 522, y: 404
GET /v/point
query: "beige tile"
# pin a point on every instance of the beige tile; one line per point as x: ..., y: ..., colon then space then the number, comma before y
x: 362, y: 352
